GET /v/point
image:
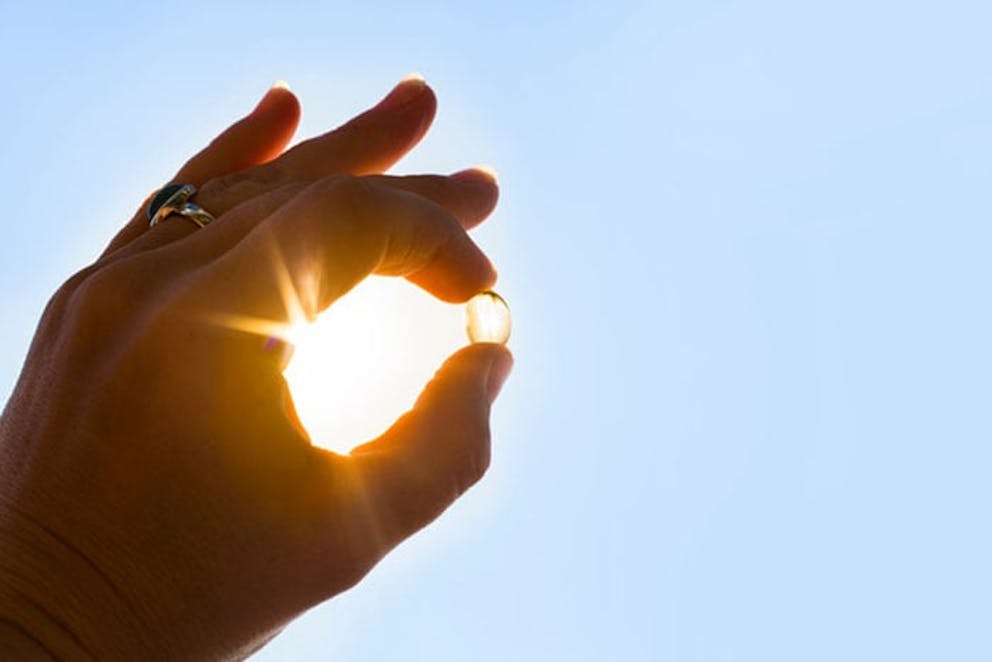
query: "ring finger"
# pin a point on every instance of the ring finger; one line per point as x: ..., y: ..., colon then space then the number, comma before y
x: 369, y: 143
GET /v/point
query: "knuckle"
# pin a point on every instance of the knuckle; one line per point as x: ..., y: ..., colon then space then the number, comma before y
x: 260, y: 206
x: 89, y: 314
x: 224, y: 192
x: 100, y: 294
x: 348, y: 190
x: 348, y: 201
x: 242, y: 184
x: 60, y: 304
x: 216, y: 187
x: 65, y: 292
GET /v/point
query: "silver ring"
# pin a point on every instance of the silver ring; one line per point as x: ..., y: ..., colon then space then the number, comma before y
x: 174, y: 199
x: 195, y: 213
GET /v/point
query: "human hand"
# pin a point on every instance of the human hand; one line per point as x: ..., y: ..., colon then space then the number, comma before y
x: 158, y: 496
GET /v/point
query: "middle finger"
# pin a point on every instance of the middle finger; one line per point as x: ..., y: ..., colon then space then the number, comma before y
x: 469, y: 195
x: 369, y: 143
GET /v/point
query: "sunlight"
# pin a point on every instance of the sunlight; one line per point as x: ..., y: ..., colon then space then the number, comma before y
x: 363, y: 362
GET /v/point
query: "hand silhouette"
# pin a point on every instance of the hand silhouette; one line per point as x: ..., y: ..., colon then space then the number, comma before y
x: 158, y: 497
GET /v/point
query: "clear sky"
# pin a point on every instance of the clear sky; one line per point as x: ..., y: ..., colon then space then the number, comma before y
x: 747, y: 249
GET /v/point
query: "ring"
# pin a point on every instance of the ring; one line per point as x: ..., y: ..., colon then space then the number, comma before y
x: 174, y: 199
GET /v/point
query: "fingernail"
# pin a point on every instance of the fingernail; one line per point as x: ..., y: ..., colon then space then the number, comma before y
x: 480, y: 173
x: 499, y: 370
x: 406, y: 92
x: 280, y: 85
x: 489, y: 170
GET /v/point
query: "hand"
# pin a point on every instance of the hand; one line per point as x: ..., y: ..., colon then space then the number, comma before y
x: 158, y: 496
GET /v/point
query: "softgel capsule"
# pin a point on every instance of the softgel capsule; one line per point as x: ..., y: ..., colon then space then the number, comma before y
x: 487, y: 318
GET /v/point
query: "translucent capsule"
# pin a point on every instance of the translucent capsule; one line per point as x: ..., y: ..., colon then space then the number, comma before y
x: 487, y: 318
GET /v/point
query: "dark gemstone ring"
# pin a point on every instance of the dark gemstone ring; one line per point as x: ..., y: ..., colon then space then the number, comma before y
x: 174, y: 199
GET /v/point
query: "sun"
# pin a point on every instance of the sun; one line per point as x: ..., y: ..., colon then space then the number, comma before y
x: 363, y: 362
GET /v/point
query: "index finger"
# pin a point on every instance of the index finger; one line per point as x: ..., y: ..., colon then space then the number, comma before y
x: 331, y: 236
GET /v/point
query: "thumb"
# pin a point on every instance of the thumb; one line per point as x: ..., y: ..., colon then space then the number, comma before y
x: 439, y: 449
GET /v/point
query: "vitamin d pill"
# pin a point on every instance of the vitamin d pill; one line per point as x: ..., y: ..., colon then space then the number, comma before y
x: 487, y: 318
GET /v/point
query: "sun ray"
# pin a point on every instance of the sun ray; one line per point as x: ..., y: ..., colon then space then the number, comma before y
x: 356, y: 367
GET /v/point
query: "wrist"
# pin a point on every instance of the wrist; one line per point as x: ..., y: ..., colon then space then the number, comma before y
x: 53, y: 600
x: 29, y: 612
x: 16, y: 643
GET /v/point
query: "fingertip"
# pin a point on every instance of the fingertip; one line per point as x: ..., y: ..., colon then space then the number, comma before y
x: 457, y: 270
x: 256, y: 138
x: 290, y: 102
x: 486, y: 365
x: 411, y: 91
x: 279, y: 100
x: 500, y: 366
x: 377, y: 138
x: 430, y: 102
x: 479, y: 172
x: 423, y: 108
x: 477, y: 175
x: 453, y: 280
x: 484, y: 192
x: 276, y: 116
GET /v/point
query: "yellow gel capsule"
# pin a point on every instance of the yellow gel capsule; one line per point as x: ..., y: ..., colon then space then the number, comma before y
x: 487, y: 318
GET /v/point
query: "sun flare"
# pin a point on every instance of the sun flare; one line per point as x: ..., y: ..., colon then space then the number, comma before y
x: 363, y: 362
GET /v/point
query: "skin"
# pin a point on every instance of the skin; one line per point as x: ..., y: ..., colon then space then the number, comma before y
x: 158, y: 497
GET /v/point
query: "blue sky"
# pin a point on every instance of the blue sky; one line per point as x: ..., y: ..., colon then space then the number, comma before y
x: 746, y: 245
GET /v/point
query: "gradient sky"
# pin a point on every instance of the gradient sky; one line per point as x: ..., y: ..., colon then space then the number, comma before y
x: 747, y: 249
